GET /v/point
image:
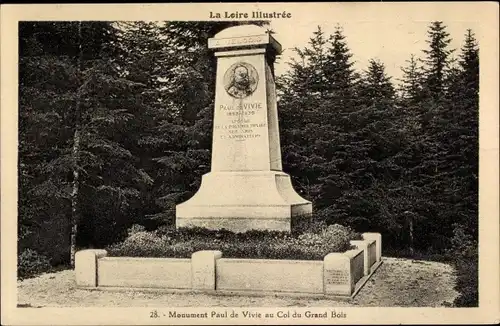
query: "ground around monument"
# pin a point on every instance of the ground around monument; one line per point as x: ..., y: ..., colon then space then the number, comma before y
x: 397, y: 283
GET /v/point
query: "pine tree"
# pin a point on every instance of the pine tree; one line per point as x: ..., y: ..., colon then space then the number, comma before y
x: 411, y: 82
x: 339, y: 71
x: 461, y: 144
x: 376, y: 87
x: 47, y: 86
x: 436, y: 60
x: 469, y: 64
x: 447, y: 137
x: 84, y: 164
x: 462, y: 141
x: 301, y: 91
x: 320, y: 150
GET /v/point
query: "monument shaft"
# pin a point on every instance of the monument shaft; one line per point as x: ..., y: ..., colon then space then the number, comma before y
x: 245, y: 136
x: 246, y: 188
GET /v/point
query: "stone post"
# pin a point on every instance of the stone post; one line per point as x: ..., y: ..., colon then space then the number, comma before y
x: 203, y: 269
x: 86, y: 266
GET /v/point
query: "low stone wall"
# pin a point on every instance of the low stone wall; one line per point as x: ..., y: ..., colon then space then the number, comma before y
x: 145, y: 272
x: 338, y: 274
x: 267, y: 275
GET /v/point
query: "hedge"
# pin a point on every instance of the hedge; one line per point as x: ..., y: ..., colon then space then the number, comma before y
x: 181, y: 243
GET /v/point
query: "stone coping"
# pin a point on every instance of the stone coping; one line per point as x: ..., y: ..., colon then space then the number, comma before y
x: 145, y: 259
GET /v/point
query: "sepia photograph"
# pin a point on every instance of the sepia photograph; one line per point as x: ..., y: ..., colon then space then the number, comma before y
x: 276, y: 163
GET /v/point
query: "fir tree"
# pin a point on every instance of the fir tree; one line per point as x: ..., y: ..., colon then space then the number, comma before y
x: 86, y: 167
x: 411, y: 82
x: 436, y: 60
x: 469, y: 64
x: 339, y: 72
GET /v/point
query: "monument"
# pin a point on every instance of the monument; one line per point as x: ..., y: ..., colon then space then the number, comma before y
x: 246, y: 187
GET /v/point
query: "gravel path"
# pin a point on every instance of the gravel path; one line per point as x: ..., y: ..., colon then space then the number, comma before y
x: 397, y: 283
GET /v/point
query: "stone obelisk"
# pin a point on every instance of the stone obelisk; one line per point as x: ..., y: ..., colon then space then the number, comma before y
x: 246, y: 187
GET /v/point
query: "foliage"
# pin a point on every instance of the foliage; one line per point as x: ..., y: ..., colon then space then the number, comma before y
x: 76, y: 112
x: 464, y: 254
x: 168, y: 242
x: 136, y: 228
x: 30, y: 263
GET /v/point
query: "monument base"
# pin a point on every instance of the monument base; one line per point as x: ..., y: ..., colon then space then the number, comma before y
x: 242, y: 201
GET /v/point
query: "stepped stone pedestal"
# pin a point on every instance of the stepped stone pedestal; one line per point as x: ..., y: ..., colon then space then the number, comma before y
x: 246, y: 188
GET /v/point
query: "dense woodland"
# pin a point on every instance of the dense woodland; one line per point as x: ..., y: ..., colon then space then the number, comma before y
x: 115, y: 126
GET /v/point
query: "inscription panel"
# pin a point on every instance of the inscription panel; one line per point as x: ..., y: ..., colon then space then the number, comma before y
x: 237, y: 41
x: 241, y: 122
x: 336, y: 276
x: 240, y: 130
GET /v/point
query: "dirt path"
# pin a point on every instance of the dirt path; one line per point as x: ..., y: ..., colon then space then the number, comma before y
x: 397, y: 283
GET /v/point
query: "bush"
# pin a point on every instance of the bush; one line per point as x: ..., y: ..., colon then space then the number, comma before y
x: 467, y: 282
x: 135, y: 229
x: 464, y: 254
x: 334, y: 238
x: 169, y: 242
x: 30, y: 263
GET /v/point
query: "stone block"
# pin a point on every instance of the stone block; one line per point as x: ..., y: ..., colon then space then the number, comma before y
x: 363, y: 245
x: 378, y: 242
x: 243, y: 201
x: 86, y: 266
x: 244, y: 36
x: 357, y: 258
x: 203, y: 269
x: 372, y: 252
x: 337, y: 278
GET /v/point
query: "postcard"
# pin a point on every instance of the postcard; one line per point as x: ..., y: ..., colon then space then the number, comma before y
x: 249, y: 163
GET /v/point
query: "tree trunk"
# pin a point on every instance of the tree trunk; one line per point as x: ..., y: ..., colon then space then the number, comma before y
x: 411, y: 235
x: 75, y: 212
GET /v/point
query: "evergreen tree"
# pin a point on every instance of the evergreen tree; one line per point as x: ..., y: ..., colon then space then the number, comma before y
x: 320, y: 150
x: 411, y: 82
x: 376, y: 87
x: 461, y: 144
x: 469, y: 64
x: 462, y: 140
x: 85, y: 166
x: 301, y: 118
x: 436, y: 60
x: 339, y: 71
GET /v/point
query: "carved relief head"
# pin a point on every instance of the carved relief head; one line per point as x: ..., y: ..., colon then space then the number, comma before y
x: 240, y: 80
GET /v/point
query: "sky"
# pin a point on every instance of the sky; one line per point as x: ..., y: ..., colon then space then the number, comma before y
x: 391, y: 42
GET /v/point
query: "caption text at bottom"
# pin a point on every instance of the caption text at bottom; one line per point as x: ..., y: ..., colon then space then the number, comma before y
x: 249, y: 314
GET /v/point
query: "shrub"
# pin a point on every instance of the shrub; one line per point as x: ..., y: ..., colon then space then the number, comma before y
x: 464, y: 255
x: 140, y: 243
x: 135, y: 229
x: 305, y: 224
x: 181, y: 243
x: 30, y: 263
x: 334, y: 238
x: 467, y: 282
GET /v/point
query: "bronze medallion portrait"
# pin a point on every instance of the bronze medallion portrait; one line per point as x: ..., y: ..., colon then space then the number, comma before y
x: 240, y: 80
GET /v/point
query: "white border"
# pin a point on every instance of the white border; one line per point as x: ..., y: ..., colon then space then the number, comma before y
x: 485, y: 13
